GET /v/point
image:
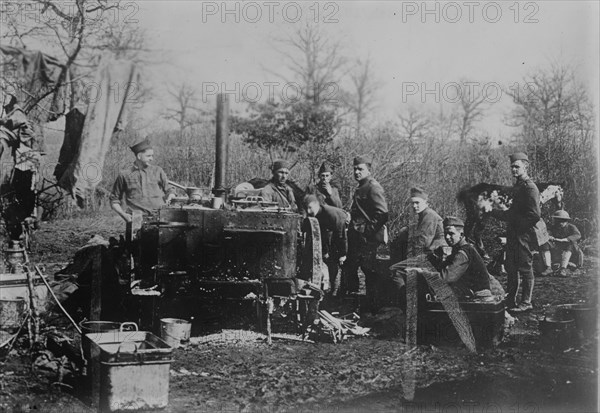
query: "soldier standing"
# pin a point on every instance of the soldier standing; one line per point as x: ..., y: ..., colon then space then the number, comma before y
x: 521, y: 217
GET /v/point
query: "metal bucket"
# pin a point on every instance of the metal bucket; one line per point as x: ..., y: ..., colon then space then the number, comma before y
x: 12, y: 313
x: 585, y: 317
x: 557, y: 334
x: 174, y: 330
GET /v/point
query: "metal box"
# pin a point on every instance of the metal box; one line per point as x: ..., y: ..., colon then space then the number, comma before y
x: 134, y: 370
x: 487, y: 322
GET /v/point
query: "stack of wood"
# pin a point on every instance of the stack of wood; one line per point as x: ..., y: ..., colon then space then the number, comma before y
x: 338, y: 329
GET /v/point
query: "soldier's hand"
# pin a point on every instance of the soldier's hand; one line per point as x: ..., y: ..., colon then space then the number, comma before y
x: 342, y: 260
x: 326, y: 256
x: 127, y: 217
x: 328, y: 188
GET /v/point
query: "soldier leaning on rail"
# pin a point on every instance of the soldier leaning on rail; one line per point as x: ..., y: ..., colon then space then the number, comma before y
x: 521, y: 239
x: 332, y: 221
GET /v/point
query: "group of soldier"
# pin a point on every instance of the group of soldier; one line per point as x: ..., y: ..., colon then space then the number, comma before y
x: 350, y: 240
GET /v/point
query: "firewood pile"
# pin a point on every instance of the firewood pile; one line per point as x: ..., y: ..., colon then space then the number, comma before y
x: 329, y: 328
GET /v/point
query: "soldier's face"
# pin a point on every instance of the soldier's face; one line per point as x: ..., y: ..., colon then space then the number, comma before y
x: 281, y: 175
x: 453, y: 235
x: 313, y: 209
x: 146, y: 157
x: 418, y: 204
x: 361, y: 171
x: 518, y: 169
x: 325, y: 177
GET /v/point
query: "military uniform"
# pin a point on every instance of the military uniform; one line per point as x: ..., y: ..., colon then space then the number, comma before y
x: 465, y: 271
x: 143, y: 189
x: 428, y: 235
x: 333, y: 222
x: 282, y: 194
x: 521, y: 218
x: 362, y: 246
x: 324, y: 197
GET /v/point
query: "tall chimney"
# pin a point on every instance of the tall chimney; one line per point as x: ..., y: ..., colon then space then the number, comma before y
x: 222, y: 145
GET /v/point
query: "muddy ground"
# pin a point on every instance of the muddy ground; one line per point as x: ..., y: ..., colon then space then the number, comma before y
x: 235, y: 370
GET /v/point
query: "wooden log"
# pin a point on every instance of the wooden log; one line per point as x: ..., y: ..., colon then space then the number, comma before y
x: 35, y: 319
x: 96, y: 287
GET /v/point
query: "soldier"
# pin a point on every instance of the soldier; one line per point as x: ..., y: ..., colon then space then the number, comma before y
x: 277, y: 189
x: 369, y: 213
x: 326, y: 193
x: 332, y: 221
x: 143, y: 186
x: 521, y: 217
x: 428, y: 233
x: 563, y: 242
x: 463, y: 269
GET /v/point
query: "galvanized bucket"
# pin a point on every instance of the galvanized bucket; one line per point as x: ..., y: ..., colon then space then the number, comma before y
x: 174, y: 330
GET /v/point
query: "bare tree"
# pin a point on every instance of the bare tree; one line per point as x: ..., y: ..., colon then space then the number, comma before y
x: 472, y: 103
x: 360, y: 100
x: 73, y: 33
x: 185, y: 110
x: 316, y: 62
x: 554, y: 117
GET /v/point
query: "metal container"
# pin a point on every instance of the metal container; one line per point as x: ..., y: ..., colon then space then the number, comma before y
x: 12, y: 313
x: 585, y: 317
x: 15, y: 286
x: 556, y: 334
x: 134, y: 370
x: 93, y: 328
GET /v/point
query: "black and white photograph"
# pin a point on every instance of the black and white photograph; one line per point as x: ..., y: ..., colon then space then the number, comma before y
x: 299, y: 206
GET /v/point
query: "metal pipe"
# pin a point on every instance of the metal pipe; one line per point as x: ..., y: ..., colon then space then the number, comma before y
x: 222, y: 145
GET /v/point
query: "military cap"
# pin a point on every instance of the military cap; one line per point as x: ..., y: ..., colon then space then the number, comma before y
x: 325, y: 167
x: 519, y: 156
x: 362, y: 159
x: 561, y: 214
x: 309, y: 199
x: 279, y: 164
x: 417, y: 192
x: 141, y: 146
x: 453, y: 222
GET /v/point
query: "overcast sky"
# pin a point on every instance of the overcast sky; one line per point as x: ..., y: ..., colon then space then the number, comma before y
x: 414, y: 46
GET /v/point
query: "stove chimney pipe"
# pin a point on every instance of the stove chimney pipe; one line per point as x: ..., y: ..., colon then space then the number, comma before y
x: 222, y: 145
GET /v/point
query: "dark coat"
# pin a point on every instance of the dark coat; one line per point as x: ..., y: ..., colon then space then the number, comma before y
x: 525, y: 211
x: 371, y: 198
x: 333, y: 220
x: 464, y: 269
x: 325, y: 198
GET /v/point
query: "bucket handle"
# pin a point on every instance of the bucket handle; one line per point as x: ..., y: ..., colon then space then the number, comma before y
x: 128, y: 323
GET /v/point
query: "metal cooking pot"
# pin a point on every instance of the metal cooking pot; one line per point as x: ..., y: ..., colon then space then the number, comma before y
x: 193, y: 193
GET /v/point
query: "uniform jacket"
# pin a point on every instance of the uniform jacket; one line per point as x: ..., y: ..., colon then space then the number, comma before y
x: 428, y: 235
x: 464, y: 269
x: 143, y: 189
x: 333, y: 220
x: 525, y: 211
x: 569, y: 232
x: 323, y: 197
x: 371, y: 198
x: 282, y: 194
